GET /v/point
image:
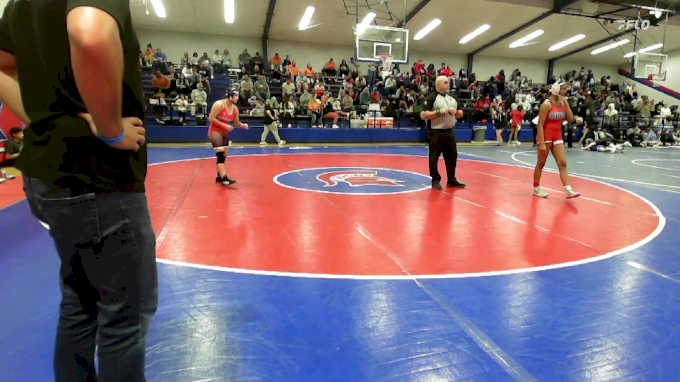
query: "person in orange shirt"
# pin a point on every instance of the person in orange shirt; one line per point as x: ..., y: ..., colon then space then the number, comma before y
x: 294, y: 70
x: 314, y: 110
x: 329, y: 70
x: 277, y: 59
x: 309, y: 72
x: 160, y: 83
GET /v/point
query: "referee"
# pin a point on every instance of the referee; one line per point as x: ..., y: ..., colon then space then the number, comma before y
x: 441, y: 110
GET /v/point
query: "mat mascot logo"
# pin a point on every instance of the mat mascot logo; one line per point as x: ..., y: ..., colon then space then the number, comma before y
x: 356, y: 178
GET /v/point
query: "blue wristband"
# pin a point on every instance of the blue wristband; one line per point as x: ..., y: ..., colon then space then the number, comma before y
x: 112, y: 141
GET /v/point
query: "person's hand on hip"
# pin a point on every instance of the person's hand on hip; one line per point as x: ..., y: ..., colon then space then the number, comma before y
x: 133, y: 129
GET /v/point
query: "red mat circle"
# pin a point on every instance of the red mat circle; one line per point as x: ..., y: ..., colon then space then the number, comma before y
x: 494, y: 226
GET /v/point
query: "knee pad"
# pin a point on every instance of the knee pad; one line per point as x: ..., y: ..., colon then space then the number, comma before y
x: 221, y: 157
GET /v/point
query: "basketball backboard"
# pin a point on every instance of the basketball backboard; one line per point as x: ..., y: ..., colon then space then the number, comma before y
x: 372, y: 41
x: 650, y: 64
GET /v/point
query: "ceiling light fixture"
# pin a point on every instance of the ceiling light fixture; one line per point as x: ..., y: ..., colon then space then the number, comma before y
x: 158, y: 8
x: 650, y: 48
x: 628, y: 55
x: 428, y: 28
x: 229, y: 12
x: 306, y: 18
x: 525, y: 39
x: 368, y: 19
x: 610, y: 46
x: 474, y: 34
x: 566, y: 42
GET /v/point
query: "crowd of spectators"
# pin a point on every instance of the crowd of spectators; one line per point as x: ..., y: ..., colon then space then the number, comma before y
x: 347, y: 91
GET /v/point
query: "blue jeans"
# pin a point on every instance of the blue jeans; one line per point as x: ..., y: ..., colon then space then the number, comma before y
x: 108, y: 280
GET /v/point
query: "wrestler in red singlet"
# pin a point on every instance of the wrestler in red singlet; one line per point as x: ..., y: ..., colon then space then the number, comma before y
x: 223, y: 119
x: 225, y: 116
x: 552, y: 114
x: 552, y: 127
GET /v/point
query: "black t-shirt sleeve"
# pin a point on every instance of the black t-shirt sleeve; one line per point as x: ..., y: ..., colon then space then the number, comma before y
x: 118, y: 9
x: 428, y: 102
x: 6, y: 43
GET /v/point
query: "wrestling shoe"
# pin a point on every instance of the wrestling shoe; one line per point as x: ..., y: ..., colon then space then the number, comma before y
x: 570, y: 194
x: 540, y: 193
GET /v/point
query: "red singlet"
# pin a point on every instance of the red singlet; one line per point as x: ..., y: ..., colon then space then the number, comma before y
x: 225, y: 117
x: 552, y: 127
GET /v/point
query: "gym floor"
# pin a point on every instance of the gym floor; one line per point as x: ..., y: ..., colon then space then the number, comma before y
x: 336, y: 263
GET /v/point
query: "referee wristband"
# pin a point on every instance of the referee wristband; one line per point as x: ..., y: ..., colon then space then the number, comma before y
x: 112, y: 141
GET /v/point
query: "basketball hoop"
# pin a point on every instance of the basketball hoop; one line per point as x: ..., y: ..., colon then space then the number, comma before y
x: 386, y: 60
x: 657, y: 78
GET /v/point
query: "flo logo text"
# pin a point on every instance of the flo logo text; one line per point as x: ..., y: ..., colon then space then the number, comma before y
x: 633, y: 24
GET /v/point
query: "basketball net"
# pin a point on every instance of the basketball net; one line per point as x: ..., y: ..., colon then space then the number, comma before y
x: 386, y: 60
x: 656, y: 79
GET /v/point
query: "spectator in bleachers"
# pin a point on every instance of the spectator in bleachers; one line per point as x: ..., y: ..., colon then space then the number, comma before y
x: 343, y: 69
x: 183, y: 85
x: 257, y: 60
x: 365, y: 97
x: 244, y: 59
x: 160, y: 61
x: 391, y: 85
x: 226, y: 60
x: 330, y: 113
x: 376, y: 97
x: 288, y: 106
x: 309, y: 71
x: 277, y: 72
x: 173, y: 75
x: 247, y: 89
x: 319, y: 88
x: 199, y: 98
x: 285, y: 64
x: 142, y: 61
x: 149, y: 52
x: 305, y: 98
x: 277, y: 60
x: 303, y: 83
x: 261, y: 89
x: 329, y: 69
x: 218, y: 62
x: 372, y: 74
x: 664, y: 114
x: 610, y: 115
x: 288, y: 88
x: 359, y: 82
x: 294, y: 71
x: 187, y: 70
x: 205, y: 62
x: 181, y: 104
x: 185, y: 60
x: 159, y: 105
x: 258, y: 110
x: 204, y: 72
x: 160, y: 83
x: 354, y: 67
x: 195, y: 60
x: 314, y: 110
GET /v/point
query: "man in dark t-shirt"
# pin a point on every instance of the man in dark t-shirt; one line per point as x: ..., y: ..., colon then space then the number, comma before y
x: 84, y: 166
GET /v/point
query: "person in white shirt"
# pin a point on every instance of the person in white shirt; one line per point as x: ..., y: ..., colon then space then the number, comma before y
x: 217, y: 62
x: 199, y: 98
x: 289, y: 87
x: 181, y: 106
x: 391, y: 85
